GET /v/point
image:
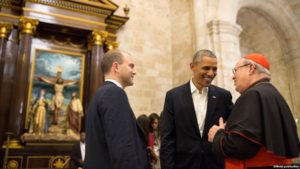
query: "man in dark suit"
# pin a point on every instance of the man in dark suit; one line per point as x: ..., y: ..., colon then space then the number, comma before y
x: 189, y: 112
x: 78, y: 153
x: 113, y: 139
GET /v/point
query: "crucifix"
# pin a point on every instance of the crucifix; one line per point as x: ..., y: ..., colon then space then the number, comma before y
x: 59, y: 83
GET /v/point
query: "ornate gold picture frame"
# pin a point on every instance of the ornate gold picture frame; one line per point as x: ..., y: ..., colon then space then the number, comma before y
x: 55, y: 75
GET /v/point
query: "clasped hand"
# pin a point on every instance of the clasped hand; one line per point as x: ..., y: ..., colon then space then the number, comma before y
x: 213, y: 130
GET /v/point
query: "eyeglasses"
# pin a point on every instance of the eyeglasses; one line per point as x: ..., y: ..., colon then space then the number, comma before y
x: 236, y: 68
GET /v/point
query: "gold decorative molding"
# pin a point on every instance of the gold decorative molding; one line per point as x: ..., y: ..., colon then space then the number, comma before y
x: 82, y: 6
x: 9, y: 16
x: 126, y: 10
x: 13, y: 144
x: 12, y: 164
x: 65, y: 17
x: 116, y: 21
x: 12, y: 4
x: 112, y: 35
x: 99, y: 3
x: 5, y: 29
x: 59, y: 161
x: 111, y: 45
x: 27, y: 25
x: 66, y: 42
x: 14, y: 161
x: 98, y: 37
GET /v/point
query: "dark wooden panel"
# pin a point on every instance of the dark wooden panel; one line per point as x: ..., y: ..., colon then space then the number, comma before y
x: 40, y: 155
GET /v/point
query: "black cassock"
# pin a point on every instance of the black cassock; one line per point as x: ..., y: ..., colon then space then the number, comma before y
x: 260, y: 118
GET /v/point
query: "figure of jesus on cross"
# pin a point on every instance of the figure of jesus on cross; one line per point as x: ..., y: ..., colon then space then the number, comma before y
x: 59, y: 83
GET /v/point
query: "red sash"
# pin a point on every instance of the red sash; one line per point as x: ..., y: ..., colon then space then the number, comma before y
x: 262, y: 158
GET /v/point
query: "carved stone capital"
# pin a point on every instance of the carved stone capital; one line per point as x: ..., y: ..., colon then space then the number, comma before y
x: 111, y: 45
x: 5, y: 29
x: 28, y: 25
x: 223, y: 27
x: 98, y: 37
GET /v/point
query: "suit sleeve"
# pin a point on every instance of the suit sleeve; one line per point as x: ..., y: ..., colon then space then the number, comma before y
x: 167, y: 149
x: 120, y: 131
x: 237, y: 140
x: 76, y: 156
x: 229, y: 105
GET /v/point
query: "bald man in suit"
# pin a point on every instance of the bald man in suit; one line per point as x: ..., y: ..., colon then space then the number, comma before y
x: 113, y: 138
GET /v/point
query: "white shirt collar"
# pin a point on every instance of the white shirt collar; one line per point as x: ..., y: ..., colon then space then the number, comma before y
x: 115, y: 82
x: 194, y: 89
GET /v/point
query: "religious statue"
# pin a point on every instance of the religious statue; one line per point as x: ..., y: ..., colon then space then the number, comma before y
x: 58, y: 98
x: 74, y: 115
x: 39, y: 116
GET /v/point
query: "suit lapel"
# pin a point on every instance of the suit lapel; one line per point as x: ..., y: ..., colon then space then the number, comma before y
x: 79, y: 150
x: 189, y: 105
x: 211, y: 106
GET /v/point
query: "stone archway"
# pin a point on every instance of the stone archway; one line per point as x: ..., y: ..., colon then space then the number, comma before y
x: 261, y: 35
x: 270, y: 27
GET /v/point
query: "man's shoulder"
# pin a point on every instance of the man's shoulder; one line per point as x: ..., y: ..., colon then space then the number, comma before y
x: 219, y: 89
x: 106, y: 93
x: 181, y: 87
x: 110, y: 88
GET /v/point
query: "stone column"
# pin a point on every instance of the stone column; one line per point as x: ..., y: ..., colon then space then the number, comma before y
x: 292, y: 60
x: 21, y: 82
x: 5, y: 29
x: 199, y: 19
x: 224, y: 40
x: 96, y: 78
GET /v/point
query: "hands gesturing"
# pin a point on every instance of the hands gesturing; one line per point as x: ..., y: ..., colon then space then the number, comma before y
x: 213, y: 130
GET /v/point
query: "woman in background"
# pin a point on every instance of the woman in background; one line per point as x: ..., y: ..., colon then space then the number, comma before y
x: 154, y: 140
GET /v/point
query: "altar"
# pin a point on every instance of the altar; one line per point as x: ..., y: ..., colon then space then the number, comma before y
x: 50, y: 53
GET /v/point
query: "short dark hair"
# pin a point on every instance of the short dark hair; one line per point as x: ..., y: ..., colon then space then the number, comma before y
x: 143, y: 122
x: 109, y: 58
x: 201, y: 53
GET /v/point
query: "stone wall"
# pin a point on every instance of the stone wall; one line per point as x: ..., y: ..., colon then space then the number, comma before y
x: 183, y: 40
x: 147, y: 37
x: 162, y: 36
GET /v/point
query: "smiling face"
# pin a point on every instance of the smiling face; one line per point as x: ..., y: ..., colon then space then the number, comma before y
x: 205, y: 70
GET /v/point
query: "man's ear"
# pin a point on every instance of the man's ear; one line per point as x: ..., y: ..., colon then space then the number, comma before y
x: 192, y: 66
x: 252, y: 69
x: 115, y: 66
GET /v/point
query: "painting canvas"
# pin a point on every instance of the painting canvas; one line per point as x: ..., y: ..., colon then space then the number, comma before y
x: 58, y: 74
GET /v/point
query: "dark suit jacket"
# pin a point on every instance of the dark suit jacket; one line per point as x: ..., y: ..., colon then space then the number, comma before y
x: 113, y: 139
x: 182, y: 146
x: 75, y: 156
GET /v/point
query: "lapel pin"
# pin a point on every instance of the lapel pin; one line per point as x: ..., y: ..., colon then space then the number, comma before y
x: 214, y: 97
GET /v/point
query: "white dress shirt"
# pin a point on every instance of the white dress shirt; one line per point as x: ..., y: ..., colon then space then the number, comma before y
x: 82, y: 149
x: 200, y: 104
